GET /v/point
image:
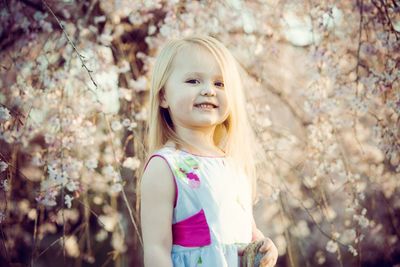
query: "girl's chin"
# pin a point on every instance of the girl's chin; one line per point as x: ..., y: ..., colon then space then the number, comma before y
x: 206, y: 122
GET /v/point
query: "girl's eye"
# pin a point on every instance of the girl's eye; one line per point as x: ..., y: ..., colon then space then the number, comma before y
x: 193, y: 81
x: 219, y: 84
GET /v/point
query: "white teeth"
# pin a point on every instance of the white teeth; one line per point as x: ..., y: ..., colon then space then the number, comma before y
x: 205, y: 106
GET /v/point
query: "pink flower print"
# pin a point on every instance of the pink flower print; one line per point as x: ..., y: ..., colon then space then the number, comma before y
x: 193, y: 179
x: 186, y: 171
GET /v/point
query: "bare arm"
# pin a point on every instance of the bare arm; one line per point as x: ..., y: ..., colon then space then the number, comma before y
x: 157, y: 200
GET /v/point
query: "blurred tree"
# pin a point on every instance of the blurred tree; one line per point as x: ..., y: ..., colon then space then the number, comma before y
x: 322, y: 84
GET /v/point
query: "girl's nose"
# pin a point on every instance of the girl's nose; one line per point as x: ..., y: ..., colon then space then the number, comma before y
x: 208, y: 90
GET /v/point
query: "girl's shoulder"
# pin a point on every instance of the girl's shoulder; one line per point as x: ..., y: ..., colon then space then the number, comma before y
x: 180, y: 160
x: 156, y: 165
x: 157, y: 176
x: 159, y: 162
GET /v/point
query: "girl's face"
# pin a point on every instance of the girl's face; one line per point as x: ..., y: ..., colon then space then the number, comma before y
x: 195, y: 78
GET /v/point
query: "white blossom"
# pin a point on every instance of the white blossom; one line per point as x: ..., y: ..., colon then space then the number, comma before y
x: 301, y: 229
x: 109, y: 222
x: 72, y: 186
x: 68, y: 200
x: 152, y: 29
x: 4, y: 114
x: 348, y: 236
x: 125, y: 94
x: 332, y: 18
x: 116, y: 125
x: 3, y: 166
x: 129, y: 124
x: 332, y: 246
x: 101, y: 235
x: 165, y: 30
x: 142, y: 115
x: 124, y: 67
x: 116, y: 188
x: 131, y: 163
x: 352, y: 250
x: 72, y: 246
x: 139, y: 85
x: 2, y: 217
x: 4, y: 185
x: 39, y: 16
x: 298, y: 29
x: 248, y: 21
x: 362, y: 220
x: 117, y: 242
x: 132, y: 126
x: 48, y: 198
x: 126, y: 122
x: 275, y: 194
x: 109, y: 172
x: 396, y: 25
x: 4, y: 14
x: 49, y: 138
x: 91, y: 163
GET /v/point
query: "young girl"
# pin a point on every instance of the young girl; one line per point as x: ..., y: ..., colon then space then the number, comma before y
x: 196, y: 189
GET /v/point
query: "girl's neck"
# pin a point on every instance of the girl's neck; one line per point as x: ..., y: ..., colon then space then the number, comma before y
x: 198, y: 141
x: 214, y: 151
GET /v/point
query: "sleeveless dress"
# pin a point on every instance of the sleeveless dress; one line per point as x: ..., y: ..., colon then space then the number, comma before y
x: 212, y: 213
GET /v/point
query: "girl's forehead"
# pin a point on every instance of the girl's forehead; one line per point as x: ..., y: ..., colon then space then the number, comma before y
x: 195, y: 58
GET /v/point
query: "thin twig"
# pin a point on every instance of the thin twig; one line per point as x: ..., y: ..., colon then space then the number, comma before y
x: 93, y: 212
x: 34, y: 237
x: 291, y: 106
x: 60, y: 238
x: 87, y: 230
x: 305, y: 208
x: 110, y: 257
x: 360, y: 27
x: 3, y: 241
x: 123, y: 191
x: 287, y: 234
x: 131, y: 215
x: 81, y: 57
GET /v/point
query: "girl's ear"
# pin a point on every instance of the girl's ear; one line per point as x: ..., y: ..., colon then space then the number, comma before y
x: 163, y: 100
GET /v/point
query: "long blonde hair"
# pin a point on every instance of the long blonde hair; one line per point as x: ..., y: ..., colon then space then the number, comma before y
x: 234, y: 135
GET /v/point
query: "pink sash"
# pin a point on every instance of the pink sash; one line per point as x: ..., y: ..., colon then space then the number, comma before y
x: 192, y: 231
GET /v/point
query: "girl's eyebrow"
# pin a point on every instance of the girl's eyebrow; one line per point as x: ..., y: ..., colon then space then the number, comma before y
x: 219, y: 76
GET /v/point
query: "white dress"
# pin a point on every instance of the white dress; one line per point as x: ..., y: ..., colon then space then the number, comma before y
x: 212, y: 216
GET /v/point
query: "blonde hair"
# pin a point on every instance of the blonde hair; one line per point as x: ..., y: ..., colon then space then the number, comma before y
x: 234, y: 135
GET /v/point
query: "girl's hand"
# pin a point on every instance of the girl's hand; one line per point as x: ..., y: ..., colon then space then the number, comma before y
x: 271, y: 253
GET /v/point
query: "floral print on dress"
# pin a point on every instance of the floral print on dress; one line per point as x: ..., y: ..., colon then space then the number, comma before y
x: 186, y: 171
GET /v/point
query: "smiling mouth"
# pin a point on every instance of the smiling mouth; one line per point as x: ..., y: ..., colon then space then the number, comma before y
x: 205, y: 106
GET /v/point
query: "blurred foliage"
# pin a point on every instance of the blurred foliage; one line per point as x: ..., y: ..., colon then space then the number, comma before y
x: 322, y: 85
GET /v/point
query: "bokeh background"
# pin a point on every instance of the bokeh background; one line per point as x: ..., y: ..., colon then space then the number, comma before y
x: 323, y: 93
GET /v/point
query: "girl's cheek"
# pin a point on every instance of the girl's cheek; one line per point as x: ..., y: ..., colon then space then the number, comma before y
x: 184, y: 103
